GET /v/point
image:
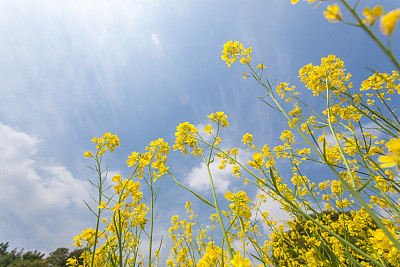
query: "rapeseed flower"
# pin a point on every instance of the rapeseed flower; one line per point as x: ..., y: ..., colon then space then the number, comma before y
x: 88, y: 154
x: 333, y: 13
x: 389, y: 21
x: 372, y: 15
x: 108, y: 141
x: 233, y: 51
x: 185, y: 135
x: 132, y: 159
x: 247, y: 139
x: 261, y: 66
x: 392, y: 159
x: 238, y: 261
x: 102, y: 205
x: 240, y: 205
x: 72, y: 262
x: 219, y: 118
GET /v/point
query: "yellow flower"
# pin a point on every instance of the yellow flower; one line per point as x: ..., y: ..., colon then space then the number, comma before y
x: 372, y: 15
x: 208, y: 129
x: 238, y: 261
x: 247, y: 139
x: 117, y: 178
x: 240, y: 205
x: 102, y: 205
x: 388, y: 22
x: 88, y: 154
x: 333, y: 13
x: 261, y: 66
x: 235, y: 151
x: 108, y: 141
x: 72, y: 262
x: 185, y: 135
x: 219, y: 118
x: 132, y: 159
x: 233, y: 50
x: 117, y: 206
x: 294, y: 1
x: 392, y: 159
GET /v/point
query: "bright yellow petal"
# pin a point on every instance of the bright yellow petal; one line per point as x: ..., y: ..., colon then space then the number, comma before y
x: 389, y: 21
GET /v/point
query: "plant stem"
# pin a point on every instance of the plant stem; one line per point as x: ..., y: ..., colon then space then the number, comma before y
x: 98, y: 169
x: 152, y: 216
x: 230, y: 251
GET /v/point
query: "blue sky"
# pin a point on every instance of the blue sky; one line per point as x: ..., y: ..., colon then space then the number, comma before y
x: 72, y: 70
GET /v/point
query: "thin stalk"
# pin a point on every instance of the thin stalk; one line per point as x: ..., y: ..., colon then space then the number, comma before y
x: 353, y: 183
x: 230, y: 251
x: 120, y: 238
x: 152, y: 216
x: 150, y: 183
x: 243, y: 236
x: 98, y: 169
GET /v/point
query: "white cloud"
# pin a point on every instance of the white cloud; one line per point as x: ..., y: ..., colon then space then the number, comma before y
x: 39, y: 202
x: 198, y: 176
x: 274, y: 210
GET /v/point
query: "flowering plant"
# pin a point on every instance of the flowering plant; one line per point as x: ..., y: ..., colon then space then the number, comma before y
x: 350, y: 218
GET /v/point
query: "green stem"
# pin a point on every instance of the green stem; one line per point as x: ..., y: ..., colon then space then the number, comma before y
x: 353, y: 183
x: 120, y: 238
x: 230, y: 251
x: 243, y: 236
x: 98, y: 169
x: 152, y: 216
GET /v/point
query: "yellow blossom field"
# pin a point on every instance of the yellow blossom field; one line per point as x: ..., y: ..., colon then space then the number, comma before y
x: 351, y: 219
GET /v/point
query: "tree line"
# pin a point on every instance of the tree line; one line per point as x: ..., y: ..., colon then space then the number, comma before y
x: 15, y: 258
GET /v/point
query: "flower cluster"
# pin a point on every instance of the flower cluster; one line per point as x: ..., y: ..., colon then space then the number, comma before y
x: 185, y: 135
x: 331, y: 72
x: 219, y: 118
x: 240, y: 205
x: 107, y: 142
x: 233, y: 51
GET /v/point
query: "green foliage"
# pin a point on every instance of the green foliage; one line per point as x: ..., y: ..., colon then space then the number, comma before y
x: 7, y: 258
x: 35, y: 258
x: 32, y: 256
x: 57, y: 258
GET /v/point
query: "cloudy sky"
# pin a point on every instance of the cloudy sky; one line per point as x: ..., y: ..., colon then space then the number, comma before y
x: 72, y: 70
